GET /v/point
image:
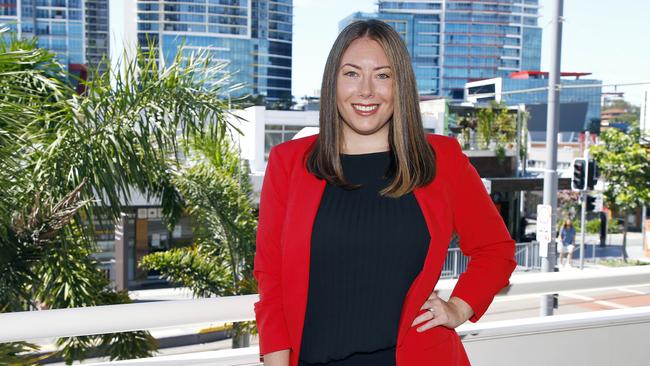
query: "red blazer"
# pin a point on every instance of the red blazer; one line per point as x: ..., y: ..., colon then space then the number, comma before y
x: 456, y: 200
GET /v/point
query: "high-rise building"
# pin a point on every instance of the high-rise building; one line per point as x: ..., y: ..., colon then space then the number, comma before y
x: 453, y: 42
x: 253, y: 36
x: 97, y: 32
x: 9, y: 14
x: 58, y: 24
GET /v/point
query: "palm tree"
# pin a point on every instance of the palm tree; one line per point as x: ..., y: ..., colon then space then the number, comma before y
x: 64, y: 156
x: 217, y: 194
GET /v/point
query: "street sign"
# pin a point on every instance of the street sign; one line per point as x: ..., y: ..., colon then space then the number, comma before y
x: 544, y: 226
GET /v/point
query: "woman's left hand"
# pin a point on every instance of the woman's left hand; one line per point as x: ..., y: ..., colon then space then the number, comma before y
x: 450, y: 313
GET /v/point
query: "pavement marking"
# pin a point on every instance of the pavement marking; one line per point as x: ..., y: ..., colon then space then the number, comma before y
x: 591, y: 299
x: 631, y: 291
x: 611, y: 304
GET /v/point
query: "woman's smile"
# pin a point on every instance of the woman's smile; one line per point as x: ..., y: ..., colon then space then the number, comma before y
x: 365, y: 109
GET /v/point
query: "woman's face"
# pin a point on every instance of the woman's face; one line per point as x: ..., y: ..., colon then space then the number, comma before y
x: 364, y: 87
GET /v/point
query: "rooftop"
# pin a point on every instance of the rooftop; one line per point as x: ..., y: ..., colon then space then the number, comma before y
x: 530, y: 74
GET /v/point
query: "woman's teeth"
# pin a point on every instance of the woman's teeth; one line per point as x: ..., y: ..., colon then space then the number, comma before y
x: 365, y: 108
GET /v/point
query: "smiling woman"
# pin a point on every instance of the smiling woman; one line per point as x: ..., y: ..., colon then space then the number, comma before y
x: 355, y: 222
x: 367, y: 105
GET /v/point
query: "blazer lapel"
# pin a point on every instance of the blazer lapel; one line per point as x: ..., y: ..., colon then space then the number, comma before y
x: 433, y: 203
x: 306, y: 194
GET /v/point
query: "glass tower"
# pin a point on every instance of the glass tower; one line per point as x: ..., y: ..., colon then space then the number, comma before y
x: 453, y: 42
x: 58, y: 24
x: 97, y: 32
x: 253, y: 37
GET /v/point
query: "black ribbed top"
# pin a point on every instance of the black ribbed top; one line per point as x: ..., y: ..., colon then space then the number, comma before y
x: 366, y: 250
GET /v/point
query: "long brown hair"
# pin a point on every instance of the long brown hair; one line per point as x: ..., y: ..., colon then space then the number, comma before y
x: 413, y: 159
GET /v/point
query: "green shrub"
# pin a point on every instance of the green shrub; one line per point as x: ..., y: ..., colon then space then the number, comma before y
x: 614, y: 227
x: 593, y: 226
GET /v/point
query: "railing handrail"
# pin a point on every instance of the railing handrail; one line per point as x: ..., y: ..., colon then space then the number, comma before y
x: 28, y: 325
x: 556, y: 323
x: 31, y: 325
x: 553, y: 282
x: 496, y: 332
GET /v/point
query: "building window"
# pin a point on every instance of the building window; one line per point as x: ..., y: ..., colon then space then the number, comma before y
x: 275, y: 134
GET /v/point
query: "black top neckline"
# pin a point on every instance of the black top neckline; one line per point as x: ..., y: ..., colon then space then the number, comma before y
x: 367, y: 154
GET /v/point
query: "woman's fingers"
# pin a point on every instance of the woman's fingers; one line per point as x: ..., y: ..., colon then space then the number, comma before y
x: 428, y: 315
x: 427, y: 304
x: 430, y: 324
x: 435, y: 303
x: 433, y: 320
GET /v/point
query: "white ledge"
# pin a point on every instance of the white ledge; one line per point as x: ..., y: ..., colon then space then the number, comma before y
x: 31, y: 325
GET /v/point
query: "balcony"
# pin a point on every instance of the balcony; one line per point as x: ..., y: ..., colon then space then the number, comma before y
x: 570, y: 339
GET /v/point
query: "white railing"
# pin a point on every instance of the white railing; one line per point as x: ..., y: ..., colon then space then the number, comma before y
x: 609, y: 337
x: 56, y: 323
x: 599, y: 338
x: 526, y: 254
x: 139, y: 316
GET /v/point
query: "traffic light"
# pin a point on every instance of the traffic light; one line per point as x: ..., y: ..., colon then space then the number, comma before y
x: 591, y: 203
x: 592, y: 175
x: 579, y: 182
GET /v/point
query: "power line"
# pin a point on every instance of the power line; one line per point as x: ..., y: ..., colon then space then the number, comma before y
x: 603, y: 85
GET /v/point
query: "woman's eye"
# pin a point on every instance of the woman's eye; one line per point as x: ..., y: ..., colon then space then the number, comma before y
x: 354, y: 73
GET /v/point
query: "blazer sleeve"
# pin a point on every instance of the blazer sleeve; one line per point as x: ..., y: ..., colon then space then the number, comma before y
x: 483, y: 236
x: 271, y: 324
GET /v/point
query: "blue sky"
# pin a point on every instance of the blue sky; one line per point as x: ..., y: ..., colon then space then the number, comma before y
x: 608, y: 38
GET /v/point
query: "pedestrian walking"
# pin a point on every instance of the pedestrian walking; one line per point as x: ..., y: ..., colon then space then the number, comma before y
x: 566, y: 244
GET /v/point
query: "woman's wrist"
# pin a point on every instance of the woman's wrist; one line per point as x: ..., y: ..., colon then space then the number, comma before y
x: 462, y: 309
x: 277, y: 358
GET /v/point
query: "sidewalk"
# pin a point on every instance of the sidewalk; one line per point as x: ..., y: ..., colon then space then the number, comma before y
x: 612, y: 250
x: 613, y: 247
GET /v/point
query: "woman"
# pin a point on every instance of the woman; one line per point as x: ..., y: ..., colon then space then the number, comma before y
x: 567, y: 236
x: 355, y: 223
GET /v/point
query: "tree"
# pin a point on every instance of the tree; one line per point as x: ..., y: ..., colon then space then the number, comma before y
x: 568, y: 205
x: 496, y: 124
x: 631, y: 115
x: 485, y: 126
x: 625, y: 166
x: 217, y: 194
x: 65, y: 156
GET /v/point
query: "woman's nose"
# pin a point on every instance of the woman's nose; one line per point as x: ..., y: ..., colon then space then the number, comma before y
x: 365, y: 87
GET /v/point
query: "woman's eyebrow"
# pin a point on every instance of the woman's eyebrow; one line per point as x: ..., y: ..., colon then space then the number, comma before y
x: 359, y: 67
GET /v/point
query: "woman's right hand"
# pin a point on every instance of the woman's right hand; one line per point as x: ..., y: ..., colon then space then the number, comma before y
x: 277, y: 358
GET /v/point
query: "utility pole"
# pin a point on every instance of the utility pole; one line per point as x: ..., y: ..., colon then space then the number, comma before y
x: 584, y: 194
x: 644, y: 139
x: 552, y: 122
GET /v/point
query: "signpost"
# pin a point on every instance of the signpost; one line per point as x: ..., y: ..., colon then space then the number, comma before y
x: 544, y: 228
